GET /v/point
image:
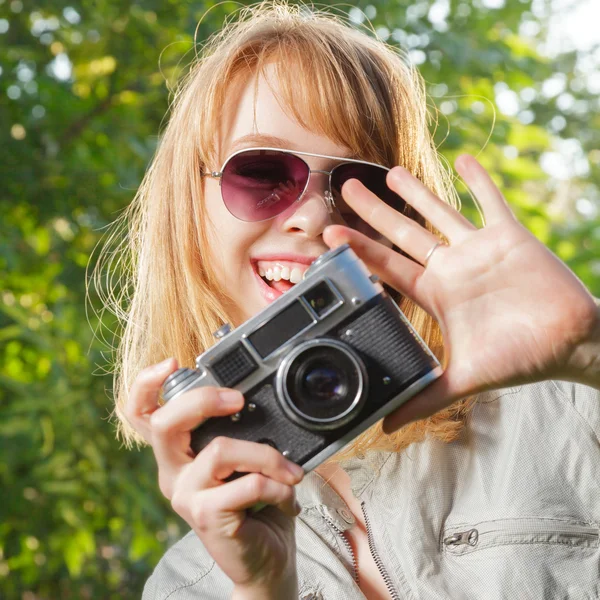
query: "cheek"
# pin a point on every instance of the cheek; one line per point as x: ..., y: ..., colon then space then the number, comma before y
x: 230, y: 247
x: 231, y: 242
x: 227, y: 236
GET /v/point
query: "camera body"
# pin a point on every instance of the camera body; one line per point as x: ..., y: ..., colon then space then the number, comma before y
x: 317, y: 367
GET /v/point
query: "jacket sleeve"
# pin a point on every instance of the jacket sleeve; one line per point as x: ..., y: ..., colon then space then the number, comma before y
x: 187, y: 572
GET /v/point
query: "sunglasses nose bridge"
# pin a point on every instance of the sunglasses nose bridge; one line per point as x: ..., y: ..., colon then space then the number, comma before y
x: 327, y: 195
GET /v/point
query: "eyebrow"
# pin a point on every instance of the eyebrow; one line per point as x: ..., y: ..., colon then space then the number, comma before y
x: 261, y: 139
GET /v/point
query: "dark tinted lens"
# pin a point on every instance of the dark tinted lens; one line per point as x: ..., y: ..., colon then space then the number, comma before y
x: 259, y: 184
x: 372, y: 177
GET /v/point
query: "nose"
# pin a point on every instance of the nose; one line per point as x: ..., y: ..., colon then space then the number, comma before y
x: 311, y: 214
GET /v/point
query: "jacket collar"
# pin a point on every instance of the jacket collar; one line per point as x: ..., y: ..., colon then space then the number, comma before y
x: 313, y: 492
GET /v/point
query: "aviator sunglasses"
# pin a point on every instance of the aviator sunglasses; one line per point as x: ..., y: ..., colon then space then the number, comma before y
x: 258, y: 184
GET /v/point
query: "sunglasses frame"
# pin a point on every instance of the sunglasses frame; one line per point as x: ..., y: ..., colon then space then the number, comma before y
x: 329, y: 201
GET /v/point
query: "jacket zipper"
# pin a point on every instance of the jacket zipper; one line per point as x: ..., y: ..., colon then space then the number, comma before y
x: 386, y: 578
x: 375, y: 555
x: 348, y: 546
x: 472, y: 537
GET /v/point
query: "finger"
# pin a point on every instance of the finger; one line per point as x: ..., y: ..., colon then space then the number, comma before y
x: 143, y: 396
x: 495, y: 208
x: 396, y: 270
x: 173, y: 423
x: 446, y: 219
x: 223, y: 455
x: 445, y: 390
x: 214, y: 506
x: 404, y: 232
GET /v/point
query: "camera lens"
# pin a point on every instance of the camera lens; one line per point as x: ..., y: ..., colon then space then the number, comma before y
x: 322, y: 384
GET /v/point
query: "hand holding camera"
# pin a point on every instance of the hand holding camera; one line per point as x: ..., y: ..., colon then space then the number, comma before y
x: 256, y: 552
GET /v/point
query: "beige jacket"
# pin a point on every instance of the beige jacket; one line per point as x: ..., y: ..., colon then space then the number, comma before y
x: 510, y: 511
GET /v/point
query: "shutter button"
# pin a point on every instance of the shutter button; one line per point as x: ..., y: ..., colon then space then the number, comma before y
x: 345, y: 515
x: 222, y: 331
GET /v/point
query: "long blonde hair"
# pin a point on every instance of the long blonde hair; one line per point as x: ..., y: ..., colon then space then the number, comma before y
x: 337, y: 81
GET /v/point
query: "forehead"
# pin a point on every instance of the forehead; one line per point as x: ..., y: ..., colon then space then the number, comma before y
x: 255, y: 115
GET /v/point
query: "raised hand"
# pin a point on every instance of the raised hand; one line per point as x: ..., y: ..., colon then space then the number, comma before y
x: 510, y: 311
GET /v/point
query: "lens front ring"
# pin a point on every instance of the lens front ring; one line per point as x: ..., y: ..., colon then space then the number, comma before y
x: 291, y: 366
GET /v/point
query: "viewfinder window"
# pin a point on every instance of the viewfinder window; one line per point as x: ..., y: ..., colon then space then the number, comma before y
x: 321, y: 298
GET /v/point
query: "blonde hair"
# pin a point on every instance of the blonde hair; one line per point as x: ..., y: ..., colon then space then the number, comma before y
x: 356, y: 90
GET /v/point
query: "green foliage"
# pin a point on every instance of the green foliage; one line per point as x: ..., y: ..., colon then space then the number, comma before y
x: 81, y: 517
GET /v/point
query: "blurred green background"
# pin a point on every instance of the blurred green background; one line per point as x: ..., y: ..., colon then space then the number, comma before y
x: 84, y: 87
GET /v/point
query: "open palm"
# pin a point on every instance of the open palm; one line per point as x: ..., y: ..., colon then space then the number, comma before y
x: 510, y: 311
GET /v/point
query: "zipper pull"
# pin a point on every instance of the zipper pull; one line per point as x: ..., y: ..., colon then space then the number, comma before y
x: 470, y: 537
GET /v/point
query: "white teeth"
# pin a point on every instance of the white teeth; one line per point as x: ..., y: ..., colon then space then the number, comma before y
x: 295, y: 275
x: 278, y: 272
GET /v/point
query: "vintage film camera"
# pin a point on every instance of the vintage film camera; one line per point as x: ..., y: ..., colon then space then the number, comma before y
x: 317, y: 366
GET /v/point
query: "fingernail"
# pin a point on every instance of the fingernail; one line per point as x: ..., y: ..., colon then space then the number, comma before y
x: 230, y: 398
x: 294, y: 469
x: 351, y: 184
x: 161, y: 366
x: 397, y: 173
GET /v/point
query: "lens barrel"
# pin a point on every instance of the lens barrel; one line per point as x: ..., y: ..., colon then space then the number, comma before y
x: 321, y: 384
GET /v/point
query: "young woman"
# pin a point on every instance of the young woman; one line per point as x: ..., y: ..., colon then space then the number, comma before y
x: 430, y: 504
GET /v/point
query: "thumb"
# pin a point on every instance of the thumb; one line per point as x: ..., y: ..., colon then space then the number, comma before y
x: 143, y: 396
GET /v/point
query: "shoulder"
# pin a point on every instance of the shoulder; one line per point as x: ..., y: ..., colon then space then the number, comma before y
x: 577, y: 395
x: 186, y: 572
x: 574, y: 393
x: 549, y: 404
x: 583, y: 400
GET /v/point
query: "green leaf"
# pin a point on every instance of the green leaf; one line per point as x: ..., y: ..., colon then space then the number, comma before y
x: 78, y: 548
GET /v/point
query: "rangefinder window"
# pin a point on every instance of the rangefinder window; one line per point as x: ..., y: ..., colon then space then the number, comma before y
x: 322, y: 299
x: 282, y: 327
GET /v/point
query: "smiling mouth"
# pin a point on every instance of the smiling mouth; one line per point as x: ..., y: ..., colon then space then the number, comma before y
x: 280, y: 275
